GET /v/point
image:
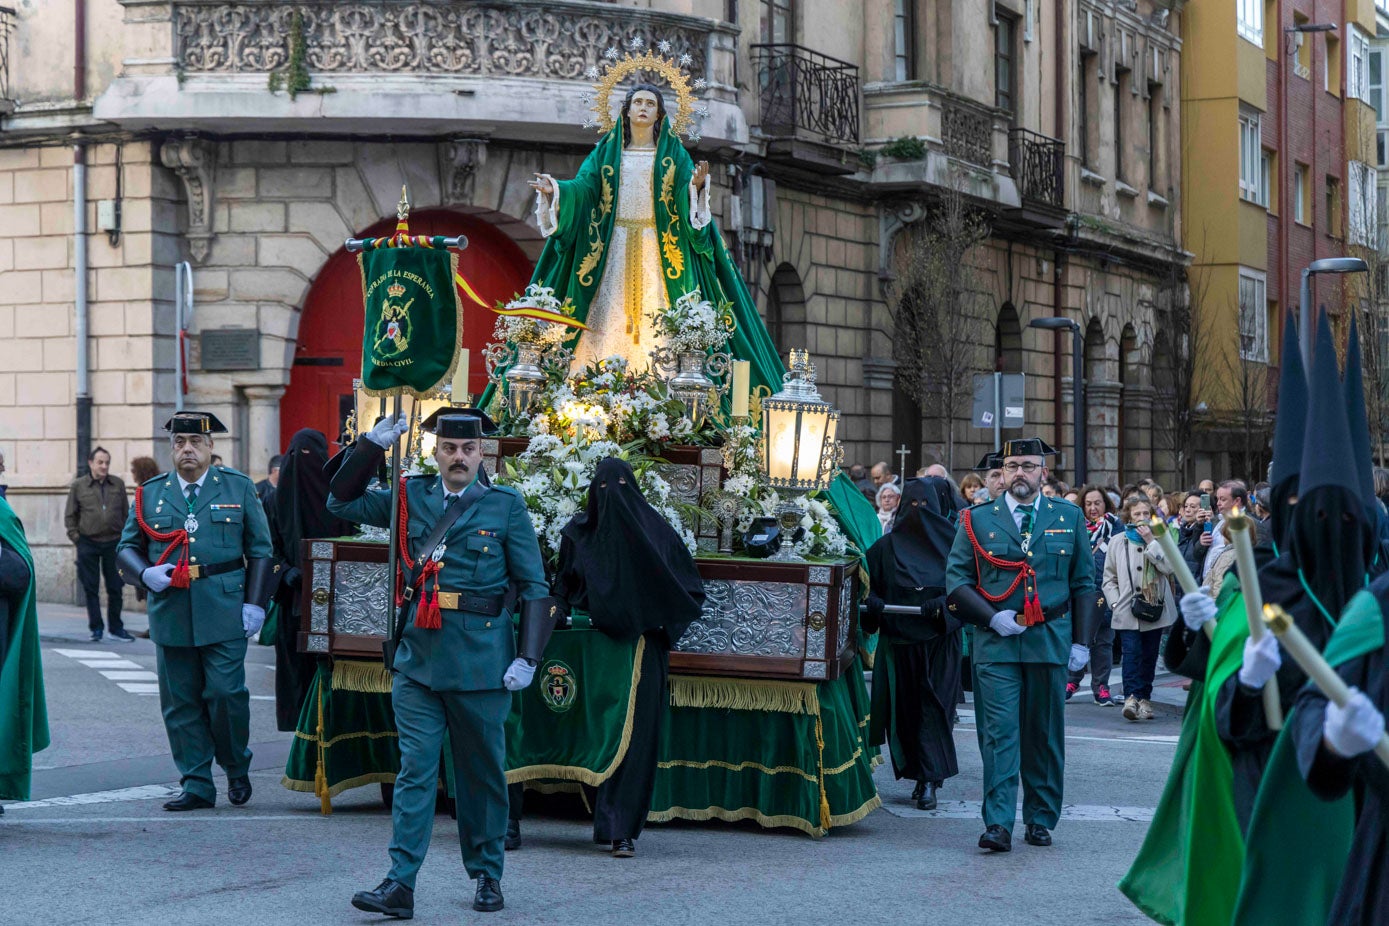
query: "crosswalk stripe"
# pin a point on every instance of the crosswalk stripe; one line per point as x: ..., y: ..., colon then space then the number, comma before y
x: 140, y: 687
x: 125, y: 675
x: 86, y: 653
x: 970, y: 810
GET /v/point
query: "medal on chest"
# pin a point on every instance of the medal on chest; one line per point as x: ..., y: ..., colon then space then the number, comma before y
x: 190, y: 523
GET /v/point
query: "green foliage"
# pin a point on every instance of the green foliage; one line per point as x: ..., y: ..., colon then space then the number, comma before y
x: 906, y: 148
x: 294, y: 76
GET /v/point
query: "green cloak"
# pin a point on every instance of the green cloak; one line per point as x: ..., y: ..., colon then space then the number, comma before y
x: 1298, y: 843
x: 23, y: 713
x: 574, y: 256
x: 1188, y: 869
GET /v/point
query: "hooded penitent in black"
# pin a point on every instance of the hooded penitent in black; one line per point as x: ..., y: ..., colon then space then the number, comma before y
x: 916, y: 678
x: 300, y: 513
x: 620, y: 561
x: 1359, y: 420
x: 1328, y: 547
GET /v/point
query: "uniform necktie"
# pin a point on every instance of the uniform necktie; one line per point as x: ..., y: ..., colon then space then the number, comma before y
x: 449, y: 497
x: 192, y: 491
x: 1026, y: 519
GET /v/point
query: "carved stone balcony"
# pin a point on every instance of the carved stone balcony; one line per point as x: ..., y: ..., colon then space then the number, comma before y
x: 967, y: 132
x: 809, y: 105
x: 513, y: 69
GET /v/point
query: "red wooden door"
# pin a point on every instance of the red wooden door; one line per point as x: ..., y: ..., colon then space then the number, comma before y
x: 328, y: 355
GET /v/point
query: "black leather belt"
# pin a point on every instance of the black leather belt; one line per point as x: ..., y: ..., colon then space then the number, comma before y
x: 1055, y: 614
x: 208, y: 570
x: 486, y: 605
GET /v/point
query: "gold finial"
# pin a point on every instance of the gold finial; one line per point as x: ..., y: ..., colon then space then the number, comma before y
x: 402, y: 210
x: 1157, y: 525
x: 1237, y: 519
x: 1277, y: 619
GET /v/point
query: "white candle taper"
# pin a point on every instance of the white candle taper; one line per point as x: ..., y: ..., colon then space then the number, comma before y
x: 1253, y: 604
x: 1317, y: 668
x: 742, y: 373
x: 1179, y: 568
x: 460, y: 379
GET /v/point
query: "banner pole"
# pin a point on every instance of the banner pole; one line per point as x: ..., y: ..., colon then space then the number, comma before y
x: 392, y: 550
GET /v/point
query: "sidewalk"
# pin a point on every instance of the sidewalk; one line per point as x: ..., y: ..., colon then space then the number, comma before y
x: 66, y: 623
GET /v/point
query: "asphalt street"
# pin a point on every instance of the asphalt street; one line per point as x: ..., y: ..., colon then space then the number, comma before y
x: 94, y: 846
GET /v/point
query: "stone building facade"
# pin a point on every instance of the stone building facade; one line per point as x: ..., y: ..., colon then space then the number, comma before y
x: 246, y: 140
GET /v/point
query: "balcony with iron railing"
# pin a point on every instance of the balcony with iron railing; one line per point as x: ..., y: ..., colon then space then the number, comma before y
x: 808, y: 105
x: 7, y: 20
x: 1037, y: 163
x: 522, y: 66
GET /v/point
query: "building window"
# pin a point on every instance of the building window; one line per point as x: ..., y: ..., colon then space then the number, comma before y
x: 1120, y: 168
x: 1331, y: 66
x: 778, y: 22
x: 1302, y: 63
x: 1083, y: 108
x: 1300, y: 193
x: 1333, y: 206
x: 1375, y: 83
x: 904, y: 35
x: 1005, y: 64
x: 1250, y: 18
x: 1268, y: 169
x: 1357, y: 66
x: 1362, y: 203
x: 1250, y: 159
x: 1156, y: 182
x: 1253, y: 316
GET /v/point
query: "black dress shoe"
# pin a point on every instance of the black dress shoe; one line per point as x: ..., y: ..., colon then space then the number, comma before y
x: 513, y: 835
x: 996, y: 839
x: 1036, y: 835
x: 926, y: 800
x: 488, y: 898
x: 239, y: 790
x: 188, y: 801
x: 390, y: 898
x: 919, y: 789
x: 624, y: 848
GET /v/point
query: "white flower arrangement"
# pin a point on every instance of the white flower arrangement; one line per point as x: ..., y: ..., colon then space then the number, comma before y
x: 520, y: 329
x: 694, y: 324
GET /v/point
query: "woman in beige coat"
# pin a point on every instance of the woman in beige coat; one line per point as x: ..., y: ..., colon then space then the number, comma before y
x: 1138, y: 587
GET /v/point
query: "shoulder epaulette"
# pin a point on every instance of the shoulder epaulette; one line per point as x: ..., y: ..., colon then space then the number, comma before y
x: 153, y: 479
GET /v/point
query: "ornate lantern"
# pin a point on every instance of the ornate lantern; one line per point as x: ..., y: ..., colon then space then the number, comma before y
x: 368, y: 409
x: 799, y: 448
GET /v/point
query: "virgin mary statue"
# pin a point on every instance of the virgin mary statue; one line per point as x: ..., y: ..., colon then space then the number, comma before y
x: 631, y: 234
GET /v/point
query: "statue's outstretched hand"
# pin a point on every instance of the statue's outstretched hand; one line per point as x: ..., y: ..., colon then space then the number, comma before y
x: 542, y: 185
x: 701, y: 173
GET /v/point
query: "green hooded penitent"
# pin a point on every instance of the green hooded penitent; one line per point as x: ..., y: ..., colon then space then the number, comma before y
x: 23, y: 713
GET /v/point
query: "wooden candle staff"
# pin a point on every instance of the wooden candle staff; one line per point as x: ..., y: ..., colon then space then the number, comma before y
x: 1253, y: 604
x: 1185, y: 579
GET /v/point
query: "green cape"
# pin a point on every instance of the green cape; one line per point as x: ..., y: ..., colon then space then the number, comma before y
x: 23, y: 713
x: 574, y: 256
x: 1298, y: 843
x: 1188, y: 869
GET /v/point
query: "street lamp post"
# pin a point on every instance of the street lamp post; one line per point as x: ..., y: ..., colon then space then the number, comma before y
x: 1304, y: 308
x: 1058, y: 324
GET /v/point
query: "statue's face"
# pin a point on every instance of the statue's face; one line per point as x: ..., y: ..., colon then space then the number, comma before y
x: 643, y: 108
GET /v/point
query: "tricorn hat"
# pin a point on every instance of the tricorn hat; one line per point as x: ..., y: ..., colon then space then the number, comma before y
x: 439, y: 425
x: 989, y: 461
x: 456, y: 426
x: 194, y: 423
x: 1026, y: 447
x: 1327, y: 446
x: 1291, y: 422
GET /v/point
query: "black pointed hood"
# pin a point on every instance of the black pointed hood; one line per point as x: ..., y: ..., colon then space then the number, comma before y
x: 1326, y: 445
x: 1356, y: 416
x: 1291, y: 423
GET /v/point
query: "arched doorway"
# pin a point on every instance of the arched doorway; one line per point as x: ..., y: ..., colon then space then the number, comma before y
x: 785, y: 315
x: 328, y: 354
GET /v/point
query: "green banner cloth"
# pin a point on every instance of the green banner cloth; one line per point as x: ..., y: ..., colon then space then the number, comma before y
x: 414, y: 319
x: 1188, y: 868
x: 345, y: 739
x: 1298, y: 843
x: 574, y: 722
x: 23, y: 710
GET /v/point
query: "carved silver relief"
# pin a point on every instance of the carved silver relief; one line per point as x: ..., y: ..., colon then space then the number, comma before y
x: 815, y: 643
x: 360, y: 597
x: 321, y: 551
x: 318, y: 614
x: 820, y: 600
x: 709, y: 457
x: 317, y: 644
x: 749, y: 619
x: 846, y: 592
x: 820, y: 575
x: 813, y: 670
x: 683, y: 479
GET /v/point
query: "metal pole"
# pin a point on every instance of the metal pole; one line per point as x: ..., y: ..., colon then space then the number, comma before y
x: 998, y: 411
x: 79, y: 247
x: 1078, y: 400
x: 183, y: 311
x: 1304, y: 319
x: 358, y: 244
x: 395, y: 520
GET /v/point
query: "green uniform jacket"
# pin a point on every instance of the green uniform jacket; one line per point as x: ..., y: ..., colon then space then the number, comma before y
x: 231, y: 525
x: 491, y: 545
x: 1060, y: 552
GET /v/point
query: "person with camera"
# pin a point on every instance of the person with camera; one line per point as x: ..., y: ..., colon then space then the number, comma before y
x: 1137, y: 586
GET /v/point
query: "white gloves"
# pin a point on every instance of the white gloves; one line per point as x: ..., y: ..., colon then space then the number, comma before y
x: 1005, y: 625
x: 519, y: 675
x: 1080, y: 657
x: 1261, y: 661
x: 1355, y: 728
x: 388, y: 431
x: 1197, y: 609
x: 252, y: 618
x: 157, y: 578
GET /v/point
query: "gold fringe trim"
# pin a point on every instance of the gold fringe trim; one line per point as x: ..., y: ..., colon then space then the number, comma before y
x: 309, y: 787
x: 366, y: 677
x: 853, y: 816
x: 765, y: 820
x: 740, y: 767
x: 741, y: 694
x: 344, y: 737
x: 853, y: 760
x: 585, y: 775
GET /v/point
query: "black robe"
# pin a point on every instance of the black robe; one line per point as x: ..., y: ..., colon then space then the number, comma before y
x: 298, y: 512
x: 620, y: 561
x: 916, y: 681
x: 1363, y: 897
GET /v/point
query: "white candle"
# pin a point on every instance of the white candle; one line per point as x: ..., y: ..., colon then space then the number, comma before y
x: 742, y: 372
x: 1179, y: 568
x: 1253, y: 606
x: 460, y: 379
x: 1317, y: 668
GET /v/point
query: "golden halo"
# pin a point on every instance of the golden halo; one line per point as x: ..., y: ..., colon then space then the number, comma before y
x: 683, y: 121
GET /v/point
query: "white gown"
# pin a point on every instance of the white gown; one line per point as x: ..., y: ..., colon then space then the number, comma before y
x: 633, y: 285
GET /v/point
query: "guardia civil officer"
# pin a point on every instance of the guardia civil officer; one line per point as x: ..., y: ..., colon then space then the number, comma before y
x: 1021, y: 573
x: 464, y: 541
x: 197, y: 540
